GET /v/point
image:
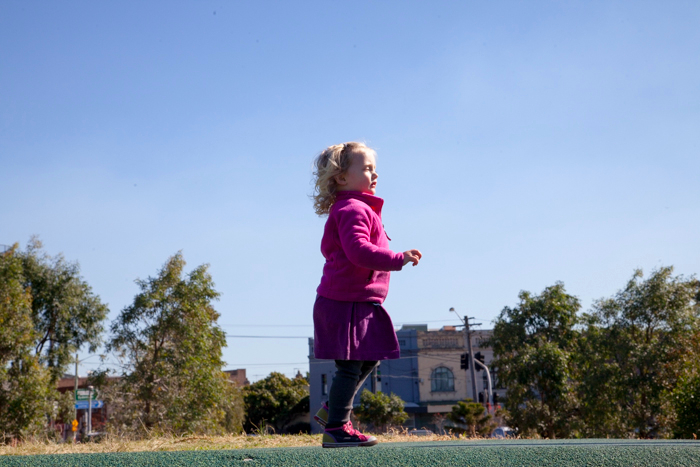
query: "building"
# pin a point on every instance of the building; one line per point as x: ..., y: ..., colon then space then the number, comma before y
x: 427, y: 376
x: 238, y: 377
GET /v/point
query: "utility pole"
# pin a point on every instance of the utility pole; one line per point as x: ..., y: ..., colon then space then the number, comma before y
x: 75, y: 410
x: 471, y: 357
x: 89, y: 426
x: 468, y: 345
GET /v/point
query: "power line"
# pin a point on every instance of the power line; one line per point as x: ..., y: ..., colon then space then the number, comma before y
x: 417, y: 322
x: 266, y: 325
x: 264, y: 364
x: 427, y: 356
x: 269, y: 337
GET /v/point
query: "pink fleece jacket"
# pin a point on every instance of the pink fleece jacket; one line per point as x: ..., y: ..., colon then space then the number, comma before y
x: 355, y: 246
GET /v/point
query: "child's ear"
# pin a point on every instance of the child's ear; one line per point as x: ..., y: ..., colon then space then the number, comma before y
x: 340, y: 179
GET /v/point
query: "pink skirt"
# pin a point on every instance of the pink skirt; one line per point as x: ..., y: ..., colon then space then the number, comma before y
x: 353, y: 331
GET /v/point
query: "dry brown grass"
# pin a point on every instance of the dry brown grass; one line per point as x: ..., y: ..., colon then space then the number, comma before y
x: 193, y: 443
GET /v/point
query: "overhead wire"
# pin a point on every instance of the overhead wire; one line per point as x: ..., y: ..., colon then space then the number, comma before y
x: 400, y: 323
x: 268, y: 337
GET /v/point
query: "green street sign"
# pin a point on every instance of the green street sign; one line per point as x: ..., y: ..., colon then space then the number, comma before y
x: 84, y: 394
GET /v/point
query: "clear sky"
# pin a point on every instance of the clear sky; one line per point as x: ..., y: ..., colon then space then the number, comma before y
x: 519, y: 144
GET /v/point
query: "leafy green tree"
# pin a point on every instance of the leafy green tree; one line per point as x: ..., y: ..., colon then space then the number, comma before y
x: 686, y: 402
x: 473, y: 415
x: 274, y: 401
x: 533, y: 346
x: 23, y: 381
x: 380, y: 410
x: 66, y: 314
x: 635, y: 348
x: 170, y: 345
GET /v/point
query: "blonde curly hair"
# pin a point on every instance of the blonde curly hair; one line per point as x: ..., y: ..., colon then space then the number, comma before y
x: 333, y: 161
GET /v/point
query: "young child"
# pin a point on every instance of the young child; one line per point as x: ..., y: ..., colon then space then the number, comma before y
x: 350, y: 324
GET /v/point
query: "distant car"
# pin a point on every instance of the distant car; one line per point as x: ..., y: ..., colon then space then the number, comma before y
x: 422, y: 432
x: 503, y: 432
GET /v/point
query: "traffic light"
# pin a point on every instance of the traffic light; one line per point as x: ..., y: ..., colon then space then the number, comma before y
x: 479, y: 356
x: 464, y: 361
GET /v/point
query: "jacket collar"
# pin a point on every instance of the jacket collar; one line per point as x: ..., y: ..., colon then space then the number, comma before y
x: 374, y: 202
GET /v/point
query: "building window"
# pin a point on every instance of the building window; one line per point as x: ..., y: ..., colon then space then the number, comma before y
x: 324, y: 385
x: 442, y: 380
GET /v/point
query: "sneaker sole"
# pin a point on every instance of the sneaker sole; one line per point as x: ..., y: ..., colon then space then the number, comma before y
x: 320, y: 421
x: 363, y: 444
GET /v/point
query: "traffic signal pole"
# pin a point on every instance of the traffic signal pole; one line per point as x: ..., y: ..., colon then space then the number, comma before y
x: 488, y: 378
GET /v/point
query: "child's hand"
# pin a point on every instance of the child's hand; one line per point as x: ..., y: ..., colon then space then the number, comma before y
x: 411, y: 256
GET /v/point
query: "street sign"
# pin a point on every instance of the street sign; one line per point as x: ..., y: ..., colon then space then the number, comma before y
x: 84, y: 394
x: 83, y: 405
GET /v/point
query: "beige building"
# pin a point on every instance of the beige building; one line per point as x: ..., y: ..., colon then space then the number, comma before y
x: 442, y: 381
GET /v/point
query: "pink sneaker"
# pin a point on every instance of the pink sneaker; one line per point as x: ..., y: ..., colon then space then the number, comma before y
x: 346, y: 437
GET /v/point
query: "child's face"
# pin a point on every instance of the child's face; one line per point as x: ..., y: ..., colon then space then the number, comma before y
x: 361, y: 175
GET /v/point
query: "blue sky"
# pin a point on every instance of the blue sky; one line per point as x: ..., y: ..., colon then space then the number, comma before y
x: 519, y: 144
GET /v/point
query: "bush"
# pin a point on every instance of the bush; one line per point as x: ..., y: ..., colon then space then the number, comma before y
x: 379, y: 410
x: 274, y: 401
x: 472, y: 415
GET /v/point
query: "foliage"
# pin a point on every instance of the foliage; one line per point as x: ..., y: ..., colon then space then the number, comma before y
x: 635, y: 347
x: 533, y: 345
x: 473, y: 415
x: 64, y: 408
x: 686, y: 402
x: 23, y: 381
x: 274, y: 401
x: 170, y: 344
x: 65, y: 312
x: 380, y: 410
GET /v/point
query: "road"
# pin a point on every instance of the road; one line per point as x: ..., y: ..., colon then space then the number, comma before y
x: 564, y: 453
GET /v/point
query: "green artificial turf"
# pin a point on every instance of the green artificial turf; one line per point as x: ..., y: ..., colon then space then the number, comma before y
x: 451, y: 453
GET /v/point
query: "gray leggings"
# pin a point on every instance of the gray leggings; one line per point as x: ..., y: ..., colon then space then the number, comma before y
x: 348, y: 378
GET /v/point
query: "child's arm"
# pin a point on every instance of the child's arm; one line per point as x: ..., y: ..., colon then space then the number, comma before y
x: 354, y: 231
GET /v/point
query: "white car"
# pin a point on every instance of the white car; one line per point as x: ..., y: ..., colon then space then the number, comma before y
x: 423, y: 432
x: 503, y: 432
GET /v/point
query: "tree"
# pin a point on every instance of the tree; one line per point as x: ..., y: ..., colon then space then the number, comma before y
x: 533, y: 345
x: 274, y: 401
x: 23, y: 381
x: 380, y: 410
x: 635, y: 348
x: 686, y: 403
x: 170, y: 343
x: 473, y: 415
x: 66, y: 314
